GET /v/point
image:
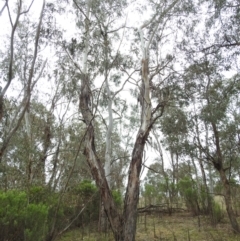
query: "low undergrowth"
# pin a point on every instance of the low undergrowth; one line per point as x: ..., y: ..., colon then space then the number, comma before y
x: 177, y: 227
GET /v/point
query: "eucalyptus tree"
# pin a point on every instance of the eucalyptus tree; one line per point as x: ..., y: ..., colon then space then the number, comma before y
x: 174, y: 128
x: 15, y: 170
x: 123, y: 226
x: 111, y: 60
x: 211, y: 81
x: 223, y: 20
x: 20, y: 64
x: 217, y: 94
x: 160, y: 187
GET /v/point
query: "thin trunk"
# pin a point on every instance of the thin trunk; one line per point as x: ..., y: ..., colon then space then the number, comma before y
x: 30, y: 83
x: 228, y: 201
x: 159, y: 149
x: 123, y: 227
x: 53, y: 177
x: 40, y: 171
x: 209, y: 165
x: 218, y: 164
x: 132, y: 193
x: 94, y: 162
x: 206, y: 189
x: 200, y: 161
x: 29, y: 169
x: 11, y: 57
x: 108, y: 151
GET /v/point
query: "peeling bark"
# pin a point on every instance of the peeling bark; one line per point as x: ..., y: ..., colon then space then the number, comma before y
x: 228, y: 201
x: 132, y: 193
x: 122, y: 225
x: 95, y: 164
x: 218, y: 164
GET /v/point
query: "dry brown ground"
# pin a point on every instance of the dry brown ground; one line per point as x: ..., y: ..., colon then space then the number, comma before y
x: 178, y: 227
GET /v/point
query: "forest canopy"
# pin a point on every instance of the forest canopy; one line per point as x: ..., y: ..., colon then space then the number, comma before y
x: 95, y: 93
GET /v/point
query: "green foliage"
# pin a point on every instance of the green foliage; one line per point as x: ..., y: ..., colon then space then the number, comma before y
x: 38, y: 194
x: 150, y: 190
x: 41, y: 195
x: 35, y: 222
x: 12, y: 204
x: 117, y: 197
x: 217, y: 212
x: 86, y: 194
x: 205, y: 200
x: 188, y: 190
x: 158, y: 190
x: 150, y: 193
x: 86, y: 189
x: 23, y: 220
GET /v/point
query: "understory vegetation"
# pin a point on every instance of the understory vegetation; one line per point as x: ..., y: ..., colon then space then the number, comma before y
x: 177, y: 227
x: 31, y: 215
x: 119, y: 120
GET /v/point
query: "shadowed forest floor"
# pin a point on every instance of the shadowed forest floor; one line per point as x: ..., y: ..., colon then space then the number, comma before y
x: 178, y: 227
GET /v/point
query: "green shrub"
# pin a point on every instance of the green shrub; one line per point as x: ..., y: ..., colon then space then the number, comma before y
x: 12, y: 204
x: 86, y: 189
x: 85, y: 193
x: 117, y: 197
x: 217, y: 212
x: 188, y: 190
x: 20, y: 220
x: 35, y: 222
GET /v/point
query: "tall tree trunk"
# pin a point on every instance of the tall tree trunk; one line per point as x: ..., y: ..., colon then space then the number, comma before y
x: 30, y: 82
x: 200, y: 161
x: 132, y: 193
x: 95, y: 163
x: 123, y: 226
x: 218, y: 164
x: 228, y: 201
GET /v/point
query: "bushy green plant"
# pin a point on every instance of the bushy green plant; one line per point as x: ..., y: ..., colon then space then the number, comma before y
x: 117, y: 197
x: 86, y: 189
x: 42, y: 195
x: 188, y: 190
x: 19, y: 219
x: 217, y: 212
x: 87, y: 196
x: 149, y: 193
x: 35, y: 222
x: 38, y: 194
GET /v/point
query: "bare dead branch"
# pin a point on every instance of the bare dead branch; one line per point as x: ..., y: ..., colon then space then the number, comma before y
x: 160, y: 105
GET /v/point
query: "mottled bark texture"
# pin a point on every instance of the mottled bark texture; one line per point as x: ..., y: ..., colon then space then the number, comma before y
x: 122, y: 225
